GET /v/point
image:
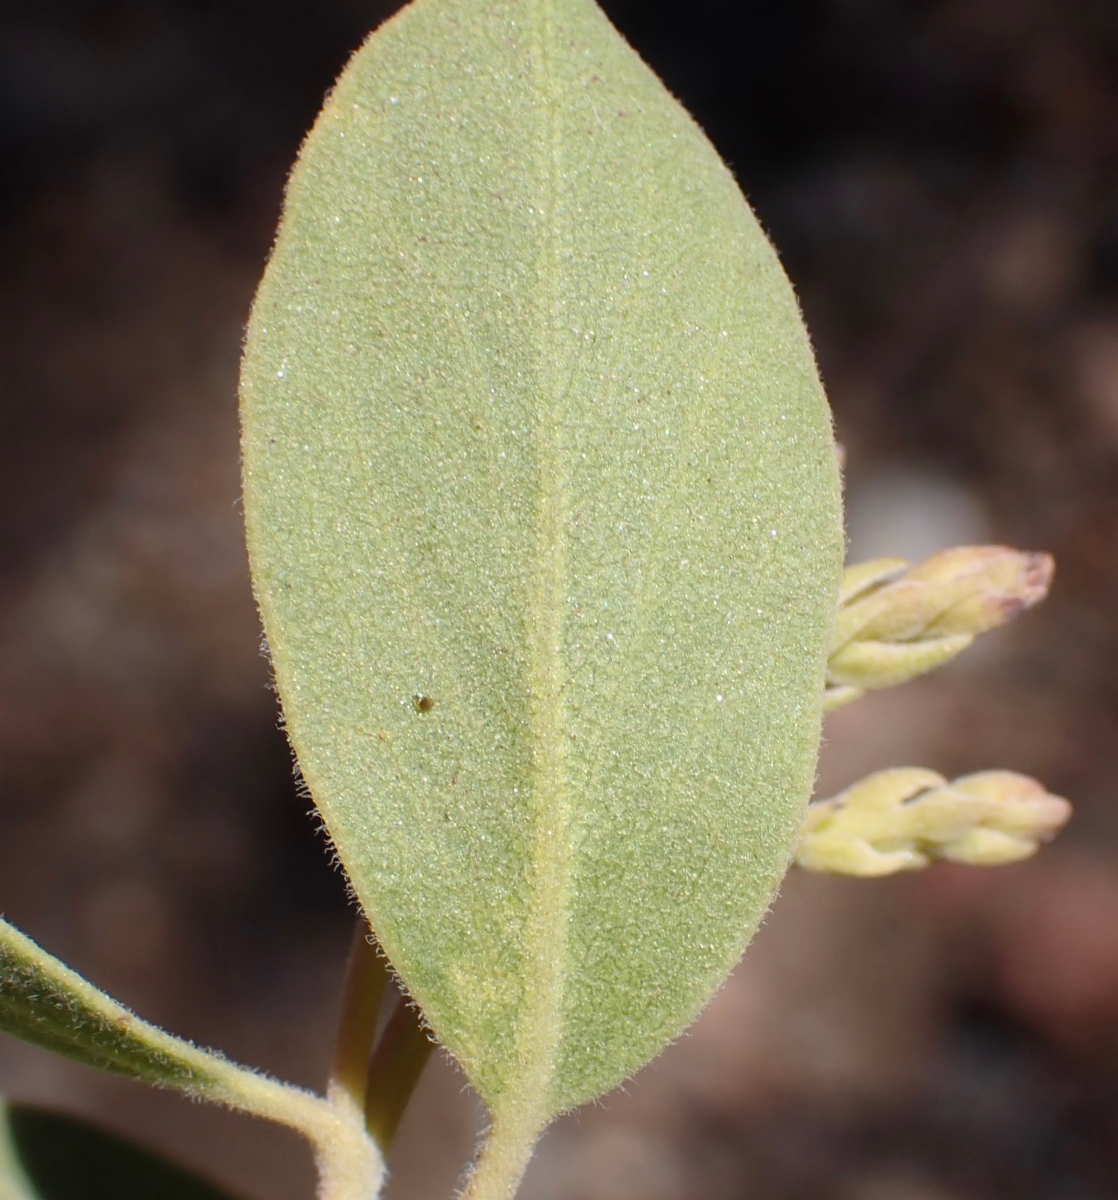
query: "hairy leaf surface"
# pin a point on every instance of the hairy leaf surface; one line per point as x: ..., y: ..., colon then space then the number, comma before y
x: 46, y: 1003
x: 543, y: 514
x: 43, y: 1001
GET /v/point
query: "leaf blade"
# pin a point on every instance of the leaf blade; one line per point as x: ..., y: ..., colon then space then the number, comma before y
x: 44, y: 1002
x: 49, y: 1156
x: 14, y: 1183
x: 525, y: 640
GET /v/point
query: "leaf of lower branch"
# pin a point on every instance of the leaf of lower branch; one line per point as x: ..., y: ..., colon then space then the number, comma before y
x: 543, y: 512
x: 14, y: 1181
x: 47, y: 1156
x: 44, y: 1002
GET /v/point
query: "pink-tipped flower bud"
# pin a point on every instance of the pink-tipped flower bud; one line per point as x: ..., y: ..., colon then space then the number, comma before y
x: 897, y: 621
x: 901, y: 820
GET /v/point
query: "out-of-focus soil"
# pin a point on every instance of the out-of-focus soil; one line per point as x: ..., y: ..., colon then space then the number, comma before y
x: 941, y: 177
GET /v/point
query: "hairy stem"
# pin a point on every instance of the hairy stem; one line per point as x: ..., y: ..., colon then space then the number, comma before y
x: 505, y: 1155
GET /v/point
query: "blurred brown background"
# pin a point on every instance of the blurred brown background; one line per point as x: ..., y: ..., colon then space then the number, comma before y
x: 941, y: 177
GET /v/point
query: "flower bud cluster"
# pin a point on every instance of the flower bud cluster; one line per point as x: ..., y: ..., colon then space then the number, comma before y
x: 896, y: 621
x: 901, y: 820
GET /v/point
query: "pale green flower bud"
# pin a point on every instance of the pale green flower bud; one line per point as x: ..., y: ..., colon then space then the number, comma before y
x: 901, y: 820
x: 896, y: 621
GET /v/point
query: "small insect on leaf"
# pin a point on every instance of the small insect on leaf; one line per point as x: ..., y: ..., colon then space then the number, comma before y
x: 423, y: 704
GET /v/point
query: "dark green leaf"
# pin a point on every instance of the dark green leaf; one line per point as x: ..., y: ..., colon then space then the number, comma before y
x: 47, y: 1156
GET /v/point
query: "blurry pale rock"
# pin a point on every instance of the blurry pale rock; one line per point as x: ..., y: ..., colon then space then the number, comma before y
x: 897, y: 621
x: 900, y: 820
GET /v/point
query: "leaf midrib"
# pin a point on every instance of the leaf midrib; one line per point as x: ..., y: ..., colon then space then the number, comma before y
x: 540, y: 1032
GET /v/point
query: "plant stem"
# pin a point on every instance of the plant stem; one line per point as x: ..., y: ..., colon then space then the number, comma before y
x: 401, y: 1055
x: 366, y: 982
x: 505, y: 1155
x: 350, y: 1165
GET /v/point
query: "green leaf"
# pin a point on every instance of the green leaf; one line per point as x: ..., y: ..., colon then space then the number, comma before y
x: 14, y: 1183
x: 47, y: 1156
x: 46, y: 1003
x: 544, y: 521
